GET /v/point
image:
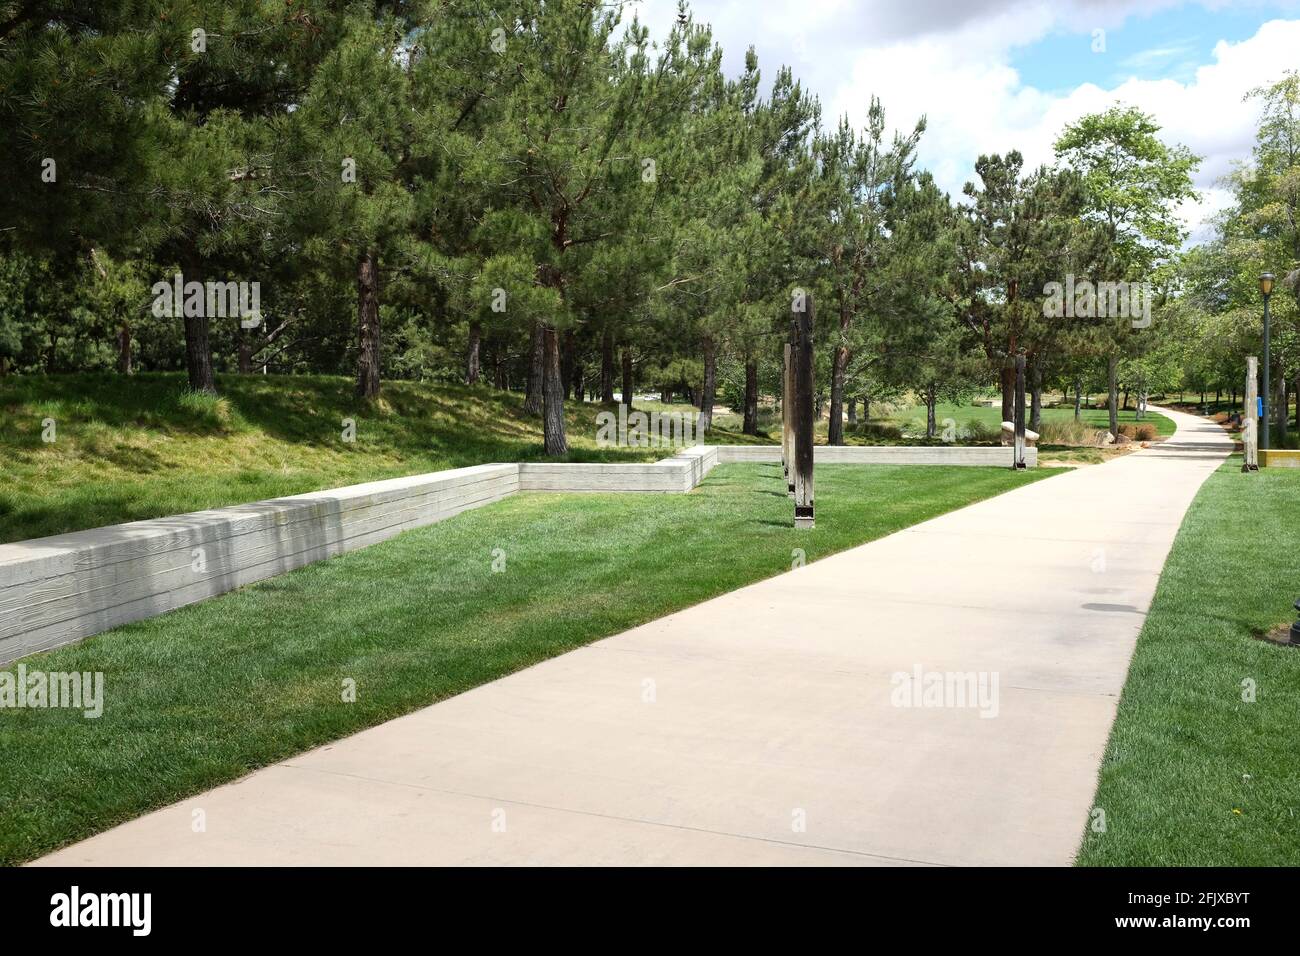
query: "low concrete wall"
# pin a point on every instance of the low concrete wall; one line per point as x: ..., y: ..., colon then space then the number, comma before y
x: 62, y: 589
x: 987, y: 455
x: 678, y: 474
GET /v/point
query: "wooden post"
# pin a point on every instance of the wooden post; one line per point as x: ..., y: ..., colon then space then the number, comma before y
x: 803, y: 413
x: 1249, y: 416
x: 787, y: 418
x: 1018, y: 457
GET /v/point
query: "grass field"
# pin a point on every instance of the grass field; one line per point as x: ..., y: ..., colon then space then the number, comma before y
x: 208, y: 693
x: 912, y: 418
x: 149, y: 449
x: 1194, y: 775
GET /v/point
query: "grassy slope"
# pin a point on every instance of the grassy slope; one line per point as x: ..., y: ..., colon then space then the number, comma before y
x: 1193, y: 775
x: 912, y: 419
x: 207, y: 693
x: 126, y: 451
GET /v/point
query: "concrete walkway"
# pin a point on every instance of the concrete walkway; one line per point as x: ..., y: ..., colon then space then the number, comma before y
x: 766, y: 726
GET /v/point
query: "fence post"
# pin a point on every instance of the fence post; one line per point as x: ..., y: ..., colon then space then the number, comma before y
x: 787, y: 418
x: 1018, y: 455
x: 1249, y: 417
x: 803, y: 413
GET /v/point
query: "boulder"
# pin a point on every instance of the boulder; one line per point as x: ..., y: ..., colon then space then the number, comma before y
x: 1009, y: 435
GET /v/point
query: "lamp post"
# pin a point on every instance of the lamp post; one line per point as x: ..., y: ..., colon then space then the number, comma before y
x: 1266, y: 290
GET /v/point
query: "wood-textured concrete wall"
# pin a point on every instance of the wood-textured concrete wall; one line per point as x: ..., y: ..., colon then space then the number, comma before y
x: 62, y: 589
x: 989, y: 455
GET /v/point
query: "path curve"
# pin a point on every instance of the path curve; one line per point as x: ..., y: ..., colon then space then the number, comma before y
x: 765, y: 726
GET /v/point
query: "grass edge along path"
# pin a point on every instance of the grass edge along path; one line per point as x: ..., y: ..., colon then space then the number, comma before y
x: 1195, y: 773
x: 208, y: 693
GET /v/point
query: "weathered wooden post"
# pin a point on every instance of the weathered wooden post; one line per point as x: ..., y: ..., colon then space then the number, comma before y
x: 1018, y: 455
x: 787, y: 418
x: 803, y: 410
x: 1250, y: 417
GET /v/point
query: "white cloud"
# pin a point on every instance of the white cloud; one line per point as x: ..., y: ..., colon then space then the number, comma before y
x: 950, y: 60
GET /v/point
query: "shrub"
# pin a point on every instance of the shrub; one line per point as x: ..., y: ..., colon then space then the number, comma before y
x: 977, y: 430
x: 1069, y: 432
x: 875, y: 430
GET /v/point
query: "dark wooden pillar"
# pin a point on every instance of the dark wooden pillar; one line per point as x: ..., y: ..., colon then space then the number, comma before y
x: 1018, y: 459
x: 803, y: 414
x: 787, y: 418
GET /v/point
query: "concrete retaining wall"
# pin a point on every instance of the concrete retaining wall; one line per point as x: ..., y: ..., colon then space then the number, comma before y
x: 62, y: 589
x: 990, y: 455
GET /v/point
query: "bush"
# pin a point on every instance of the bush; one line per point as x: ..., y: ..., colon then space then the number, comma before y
x: 1141, y: 432
x: 977, y: 430
x: 875, y: 430
x: 1069, y: 432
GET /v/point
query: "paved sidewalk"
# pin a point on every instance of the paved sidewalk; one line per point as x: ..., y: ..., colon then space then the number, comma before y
x: 758, y: 727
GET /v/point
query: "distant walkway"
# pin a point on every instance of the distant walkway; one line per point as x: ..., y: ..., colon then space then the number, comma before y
x: 763, y: 726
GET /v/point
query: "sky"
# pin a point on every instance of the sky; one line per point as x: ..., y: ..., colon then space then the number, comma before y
x: 995, y: 75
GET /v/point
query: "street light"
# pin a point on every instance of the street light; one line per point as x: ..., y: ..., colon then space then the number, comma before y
x: 1266, y: 290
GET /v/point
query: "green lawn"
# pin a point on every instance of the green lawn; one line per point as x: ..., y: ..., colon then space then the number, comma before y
x: 207, y: 693
x: 912, y: 418
x: 1194, y: 775
x: 145, y: 449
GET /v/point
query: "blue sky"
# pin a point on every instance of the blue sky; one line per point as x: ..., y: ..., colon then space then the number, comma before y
x: 1168, y: 44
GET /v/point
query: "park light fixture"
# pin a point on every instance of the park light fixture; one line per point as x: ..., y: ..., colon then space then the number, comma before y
x: 1266, y: 289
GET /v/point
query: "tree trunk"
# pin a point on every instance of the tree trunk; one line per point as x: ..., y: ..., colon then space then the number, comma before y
x: 553, y: 396
x: 708, y: 393
x: 472, y: 353
x: 579, y: 373
x: 840, y: 362
x: 244, y: 352
x: 1112, y: 392
x: 1078, y: 398
x: 751, y: 397
x: 930, y: 425
x: 124, y: 364
x: 1036, y: 396
x: 1007, y: 379
x: 1124, y: 404
x: 500, y: 367
x: 368, y: 327
x: 666, y: 395
x: 627, y: 377
x: 866, y: 408
x: 536, y: 365
x: 607, y: 366
x: 853, y: 410
x: 198, y: 350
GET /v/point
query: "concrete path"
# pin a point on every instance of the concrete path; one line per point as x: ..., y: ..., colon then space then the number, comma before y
x: 766, y: 726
